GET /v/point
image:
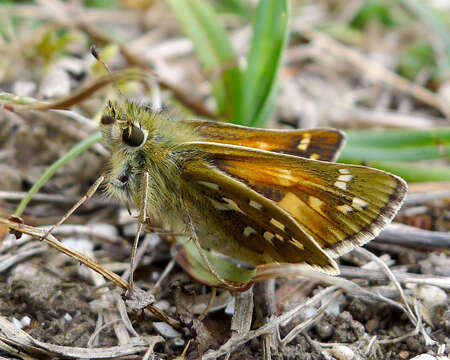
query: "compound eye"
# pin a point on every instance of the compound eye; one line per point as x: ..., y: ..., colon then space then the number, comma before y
x: 133, y: 136
x: 107, y: 120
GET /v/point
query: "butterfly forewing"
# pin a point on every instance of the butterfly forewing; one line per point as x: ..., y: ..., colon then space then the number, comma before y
x: 339, y: 206
x: 317, y: 144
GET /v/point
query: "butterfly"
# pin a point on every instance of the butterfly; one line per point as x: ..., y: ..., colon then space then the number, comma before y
x: 257, y: 196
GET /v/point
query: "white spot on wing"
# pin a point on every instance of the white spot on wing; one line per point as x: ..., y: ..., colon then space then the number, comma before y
x: 232, y: 204
x: 297, y: 243
x: 277, y: 223
x: 345, y: 178
x: 249, y: 231
x: 256, y: 205
x: 359, y: 204
x: 344, y: 171
x: 345, y: 209
x: 209, y: 185
x: 268, y: 236
x: 219, y: 206
x: 341, y: 185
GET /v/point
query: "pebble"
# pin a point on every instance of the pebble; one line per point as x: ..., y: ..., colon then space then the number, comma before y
x: 26, y: 321
x: 432, y: 296
x: 424, y: 357
x: 342, y: 352
x: 166, y: 330
x: 162, y: 305
x: 324, y: 330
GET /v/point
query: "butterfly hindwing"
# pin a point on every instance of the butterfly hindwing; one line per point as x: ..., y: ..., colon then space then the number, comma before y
x: 317, y: 144
x: 262, y: 229
x: 339, y: 206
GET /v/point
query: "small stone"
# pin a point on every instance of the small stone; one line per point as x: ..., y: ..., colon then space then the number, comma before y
x: 26, y: 321
x: 342, y: 352
x: 166, y: 330
x: 67, y: 317
x: 432, y: 295
x: 424, y: 357
x: 324, y: 330
x: 178, y: 342
x: 162, y: 305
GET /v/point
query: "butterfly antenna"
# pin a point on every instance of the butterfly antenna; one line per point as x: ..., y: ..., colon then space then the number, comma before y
x: 95, y: 54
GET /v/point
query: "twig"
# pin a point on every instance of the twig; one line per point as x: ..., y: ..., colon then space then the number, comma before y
x: 52, y: 198
x: 306, y: 324
x: 116, y: 279
x: 392, y: 277
x: 236, y: 341
x: 401, y: 234
x: 421, y: 198
x: 352, y: 272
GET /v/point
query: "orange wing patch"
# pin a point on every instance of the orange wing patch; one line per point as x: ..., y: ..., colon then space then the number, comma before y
x: 316, y: 144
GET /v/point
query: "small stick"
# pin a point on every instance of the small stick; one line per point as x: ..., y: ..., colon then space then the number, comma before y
x: 206, y: 260
x: 208, y: 307
x: 142, y: 217
x: 80, y: 202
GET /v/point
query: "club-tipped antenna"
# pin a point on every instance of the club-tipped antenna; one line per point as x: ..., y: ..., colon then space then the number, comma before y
x: 95, y: 54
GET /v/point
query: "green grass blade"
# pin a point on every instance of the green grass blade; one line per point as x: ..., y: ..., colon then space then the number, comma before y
x: 213, y: 48
x: 397, y: 145
x: 78, y: 149
x: 410, y: 172
x: 270, y: 31
x: 399, y: 138
x: 365, y: 153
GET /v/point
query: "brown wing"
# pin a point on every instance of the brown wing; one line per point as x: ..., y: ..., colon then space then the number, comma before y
x: 317, y: 144
x: 257, y: 230
x: 339, y: 206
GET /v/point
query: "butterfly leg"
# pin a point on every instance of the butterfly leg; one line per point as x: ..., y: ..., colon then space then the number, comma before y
x: 80, y: 202
x: 142, y: 218
x: 193, y: 236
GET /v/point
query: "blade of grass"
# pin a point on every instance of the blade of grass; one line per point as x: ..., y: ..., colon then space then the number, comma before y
x: 410, y: 172
x: 364, y: 153
x: 213, y: 48
x: 78, y: 149
x: 397, y: 145
x: 399, y: 138
x: 260, y: 82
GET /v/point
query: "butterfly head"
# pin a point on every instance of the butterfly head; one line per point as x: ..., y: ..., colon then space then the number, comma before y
x: 122, y: 124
